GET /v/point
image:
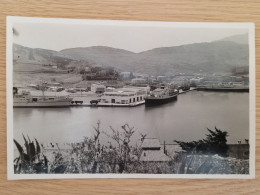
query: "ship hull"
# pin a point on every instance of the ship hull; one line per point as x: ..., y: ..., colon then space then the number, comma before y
x: 42, y: 104
x: 39, y: 105
x: 223, y: 89
x: 159, y: 101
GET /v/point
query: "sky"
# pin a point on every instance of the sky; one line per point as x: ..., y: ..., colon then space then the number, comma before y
x: 135, y: 38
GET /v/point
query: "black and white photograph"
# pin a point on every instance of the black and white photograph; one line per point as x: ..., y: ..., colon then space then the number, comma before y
x: 130, y: 99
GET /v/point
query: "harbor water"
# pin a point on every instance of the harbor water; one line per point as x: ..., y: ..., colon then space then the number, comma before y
x: 186, y: 119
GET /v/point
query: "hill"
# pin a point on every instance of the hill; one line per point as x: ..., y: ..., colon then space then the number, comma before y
x: 220, y: 56
x: 240, y: 39
x: 38, y: 56
x: 212, y: 57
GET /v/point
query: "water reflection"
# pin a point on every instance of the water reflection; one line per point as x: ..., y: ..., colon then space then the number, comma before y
x: 185, y: 119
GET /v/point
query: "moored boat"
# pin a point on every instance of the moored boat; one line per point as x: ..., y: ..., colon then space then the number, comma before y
x: 26, y: 99
x: 185, y: 86
x: 161, y: 96
x: 223, y: 88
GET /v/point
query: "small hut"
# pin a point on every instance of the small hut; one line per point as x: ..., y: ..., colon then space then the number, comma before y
x: 152, y: 151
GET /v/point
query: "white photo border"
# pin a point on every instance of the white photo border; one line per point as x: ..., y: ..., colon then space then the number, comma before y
x: 9, y: 86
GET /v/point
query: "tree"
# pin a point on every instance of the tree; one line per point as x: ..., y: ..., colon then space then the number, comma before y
x: 122, y: 151
x: 131, y: 76
x: 215, y: 143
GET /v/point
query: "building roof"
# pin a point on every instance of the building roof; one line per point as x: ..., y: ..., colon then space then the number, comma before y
x: 151, y: 143
x: 138, y: 79
x: 98, y: 85
x: 125, y: 73
x: 123, y: 91
x: 154, y: 156
x: 129, y: 89
x: 119, y: 93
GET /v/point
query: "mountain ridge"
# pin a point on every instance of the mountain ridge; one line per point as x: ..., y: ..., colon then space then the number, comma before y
x: 217, y: 56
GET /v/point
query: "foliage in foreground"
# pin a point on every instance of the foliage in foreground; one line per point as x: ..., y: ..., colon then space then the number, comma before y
x: 30, y: 160
x: 119, y: 155
x: 215, y: 143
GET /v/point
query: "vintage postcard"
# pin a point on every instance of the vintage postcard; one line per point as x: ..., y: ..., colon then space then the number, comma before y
x: 130, y: 99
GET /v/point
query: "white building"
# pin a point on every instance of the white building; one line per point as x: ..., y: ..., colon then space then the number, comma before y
x: 124, y: 96
x: 33, y: 86
x: 97, y: 88
x: 162, y: 78
x: 146, y: 88
x: 125, y: 75
x: 195, y: 81
x: 138, y: 81
x: 87, y: 69
x: 54, y: 66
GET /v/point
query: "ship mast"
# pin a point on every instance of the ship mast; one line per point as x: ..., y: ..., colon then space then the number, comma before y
x: 43, y: 87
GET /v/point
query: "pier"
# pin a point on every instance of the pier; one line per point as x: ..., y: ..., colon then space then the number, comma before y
x: 101, y: 104
x: 191, y: 89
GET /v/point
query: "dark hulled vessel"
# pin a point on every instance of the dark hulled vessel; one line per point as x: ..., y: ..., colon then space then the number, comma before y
x: 161, y: 96
x: 224, y: 88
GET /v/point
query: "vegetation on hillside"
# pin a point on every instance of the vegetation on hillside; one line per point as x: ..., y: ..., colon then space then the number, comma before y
x: 214, y: 143
x: 120, y: 155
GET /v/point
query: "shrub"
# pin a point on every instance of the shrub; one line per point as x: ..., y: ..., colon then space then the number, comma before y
x: 215, y: 143
x: 31, y: 160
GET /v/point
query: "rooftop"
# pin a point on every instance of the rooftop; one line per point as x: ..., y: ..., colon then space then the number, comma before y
x: 154, y: 156
x: 122, y: 91
x: 97, y: 85
x: 151, y: 143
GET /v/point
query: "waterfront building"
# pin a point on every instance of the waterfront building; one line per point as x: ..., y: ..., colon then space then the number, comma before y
x: 109, y: 89
x: 144, y: 88
x: 239, y: 79
x: 98, y: 88
x: 87, y: 69
x: 56, y: 89
x: 162, y: 78
x: 240, y: 70
x: 56, y: 84
x: 195, y: 81
x: 124, y: 95
x: 33, y: 86
x: 246, y: 79
x: 125, y: 75
x: 139, y: 81
x: 142, y: 76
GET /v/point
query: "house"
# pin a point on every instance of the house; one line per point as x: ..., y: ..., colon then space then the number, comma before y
x: 153, y: 152
x: 56, y: 84
x: 162, y: 78
x: 98, y: 88
x: 239, y: 151
x: 33, y: 86
x: 138, y: 81
x: 87, y: 69
x: 125, y: 75
x: 54, y: 66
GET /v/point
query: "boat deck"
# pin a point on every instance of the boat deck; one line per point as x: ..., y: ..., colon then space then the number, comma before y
x: 101, y: 104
